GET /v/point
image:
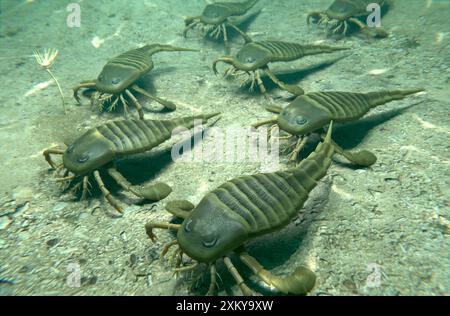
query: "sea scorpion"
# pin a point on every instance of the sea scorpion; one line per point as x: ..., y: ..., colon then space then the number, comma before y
x: 311, y: 112
x: 100, y: 146
x: 216, y: 17
x: 119, y: 75
x: 342, y: 12
x: 239, y: 211
x: 255, y: 57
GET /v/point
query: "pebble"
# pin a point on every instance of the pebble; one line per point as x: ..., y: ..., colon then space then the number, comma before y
x: 21, y: 208
x: 25, y: 223
x: 133, y: 259
x: 5, y: 222
x: 86, y: 281
x: 23, y: 195
x: 24, y: 235
x: 83, y: 216
x: 25, y: 269
x: 59, y: 207
x: 15, y: 210
x: 6, y: 212
x: 52, y: 242
x: 123, y: 236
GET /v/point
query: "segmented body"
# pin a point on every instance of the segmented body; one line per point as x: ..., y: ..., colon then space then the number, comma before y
x: 103, y: 143
x: 250, y: 206
x: 124, y: 70
x: 100, y: 146
x: 216, y: 17
x: 344, y: 9
x: 131, y: 65
x: 255, y: 57
x: 118, y: 78
x: 231, y: 8
x: 281, y: 51
x: 278, y: 51
x: 242, y: 209
x: 314, y: 110
x: 341, y: 13
x: 135, y: 136
x: 264, y: 203
x: 340, y: 106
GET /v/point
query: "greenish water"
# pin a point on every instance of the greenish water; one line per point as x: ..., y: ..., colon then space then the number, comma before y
x: 376, y: 230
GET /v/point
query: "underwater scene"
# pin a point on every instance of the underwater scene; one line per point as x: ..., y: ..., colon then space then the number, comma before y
x: 224, y: 148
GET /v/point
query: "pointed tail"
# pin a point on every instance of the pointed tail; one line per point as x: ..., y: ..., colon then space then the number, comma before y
x: 156, y: 48
x: 383, y: 97
x: 190, y: 121
x: 250, y: 4
x: 321, y: 49
x: 316, y: 165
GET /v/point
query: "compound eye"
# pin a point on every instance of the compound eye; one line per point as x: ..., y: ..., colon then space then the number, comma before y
x: 101, y: 77
x: 70, y: 149
x: 209, y: 242
x: 83, y: 158
x: 301, y: 120
x: 115, y: 80
x: 250, y: 60
x: 187, y: 226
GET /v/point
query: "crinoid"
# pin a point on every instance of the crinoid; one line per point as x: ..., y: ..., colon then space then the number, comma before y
x: 46, y: 61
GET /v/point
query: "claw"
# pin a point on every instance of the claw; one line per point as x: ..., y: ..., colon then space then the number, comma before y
x: 186, y: 268
x: 315, y: 15
x: 190, y: 24
x: 155, y: 192
x: 227, y: 60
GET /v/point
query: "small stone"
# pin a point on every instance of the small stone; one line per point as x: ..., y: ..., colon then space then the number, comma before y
x: 52, y: 242
x: 350, y: 285
x: 83, y: 261
x: 89, y: 281
x: 59, y: 207
x: 25, y: 269
x: 133, y: 259
x: 92, y: 280
x: 83, y: 216
x: 123, y: 236
x: 24, y: 235
x: 5, y: 222
x: 21, y: 208
x: 25, y: 223
x: 6, y: 212
x: 14, y: 210
x: 23, y: 195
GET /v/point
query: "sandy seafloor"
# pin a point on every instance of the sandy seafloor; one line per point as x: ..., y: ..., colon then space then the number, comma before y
x: 393, y: 216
